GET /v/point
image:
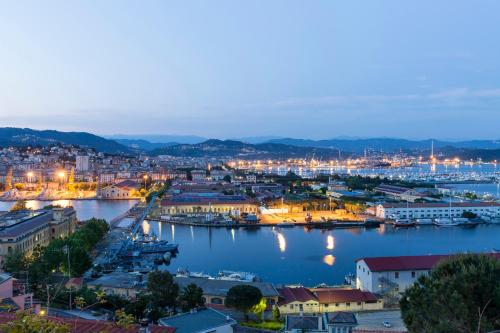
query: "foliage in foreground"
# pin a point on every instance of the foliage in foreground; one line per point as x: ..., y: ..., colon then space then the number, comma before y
x: 30, y: 323
x: 266, y: 325
x: 461, y: 295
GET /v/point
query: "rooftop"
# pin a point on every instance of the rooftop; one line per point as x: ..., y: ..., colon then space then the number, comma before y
x: 300, y: 294
x: 302, y: 323
x: 221, y: 287
x: 338, y: 295
x: 406, y: 263
x: 197, y: 321
x: 440, y: 205
x: 341, y: 318
x: 92, y: 326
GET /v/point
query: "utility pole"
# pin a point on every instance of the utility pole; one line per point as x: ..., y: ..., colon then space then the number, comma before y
x: 69, y: 277
x: 48, y: 299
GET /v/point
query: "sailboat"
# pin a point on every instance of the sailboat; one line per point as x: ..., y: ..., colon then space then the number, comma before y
x: 447, y: 221
x: 407, y: 222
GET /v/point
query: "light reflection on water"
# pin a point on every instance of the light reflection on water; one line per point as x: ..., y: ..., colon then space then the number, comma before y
x: 292, y: 255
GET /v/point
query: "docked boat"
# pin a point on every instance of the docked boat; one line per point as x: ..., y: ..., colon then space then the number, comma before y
x: 446, y: 222
x: 423, y: 221
x: 404, y: 223
x: 237, y: 276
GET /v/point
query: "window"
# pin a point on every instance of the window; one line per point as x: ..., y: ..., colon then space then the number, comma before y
x: 413, y: 274
x: 347, y: 304
x: 359, y: 303
x: 396, y: 275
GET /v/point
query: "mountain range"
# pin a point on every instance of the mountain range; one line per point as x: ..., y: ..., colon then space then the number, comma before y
x: 22, y: 137
x: 252, y: 147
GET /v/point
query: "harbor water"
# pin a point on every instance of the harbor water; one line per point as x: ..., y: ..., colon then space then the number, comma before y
x: 310, y: 257
x: 85, y: 209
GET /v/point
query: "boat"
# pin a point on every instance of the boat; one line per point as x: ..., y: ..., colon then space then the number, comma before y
x: 471, y: 223
x: 423, y: 221
x: 404, y: 223
x: 181, y: 272
x: 446, y: 222
x: 237, y: 276
x: 371, y: 223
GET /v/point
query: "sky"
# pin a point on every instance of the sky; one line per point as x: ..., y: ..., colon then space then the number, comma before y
x: 304, y: 69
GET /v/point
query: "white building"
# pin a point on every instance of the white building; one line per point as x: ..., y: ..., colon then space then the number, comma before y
x: 386, y: 275
x: 435, y: 210
x: 82, y: 163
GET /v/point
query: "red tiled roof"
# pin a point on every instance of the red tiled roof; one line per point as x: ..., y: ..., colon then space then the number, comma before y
x: 338, y: 295
x: 300, y: 294
x: 92, y: 326
x: 406, y: 263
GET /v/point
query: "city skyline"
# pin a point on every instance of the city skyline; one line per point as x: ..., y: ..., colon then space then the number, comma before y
x: 232, y: 70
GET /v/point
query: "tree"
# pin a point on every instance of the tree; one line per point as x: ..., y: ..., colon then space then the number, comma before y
x: 191, y: 297
x: 469, y: 215
x: 461, y: 294
x: 15, y: 262
x: 164, y: 291
x: 243, y: 298
x: 227, y: 178
x: 30, y: 323
x: 123, y: 319
x: 259, y: 308
x: 19, y: 205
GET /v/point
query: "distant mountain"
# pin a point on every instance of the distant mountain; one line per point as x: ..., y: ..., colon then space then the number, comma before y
x: 257, y: 139
x: 20, y: 137
x: 487, y: 155
x: 238, y: 149
x: 144, y: 144
x: 386, y: 144
x: 159, y: 138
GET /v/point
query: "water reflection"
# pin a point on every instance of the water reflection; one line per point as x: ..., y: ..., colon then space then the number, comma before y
x: 232, y: 234
x: 192, y: 232
x: 173, y: 232
x: 330, y: 242
x: 329, y: 260
x: 281, y: 241
x: 146, y: 227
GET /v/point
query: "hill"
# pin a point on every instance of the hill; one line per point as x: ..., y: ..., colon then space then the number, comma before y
x: 20, y: 137
x: 387, y: 144
x: 231, y: 148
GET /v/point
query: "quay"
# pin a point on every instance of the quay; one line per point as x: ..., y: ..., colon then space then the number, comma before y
x: 323, y: 224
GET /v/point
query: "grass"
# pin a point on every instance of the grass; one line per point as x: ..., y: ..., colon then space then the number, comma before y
x: 265, y: 325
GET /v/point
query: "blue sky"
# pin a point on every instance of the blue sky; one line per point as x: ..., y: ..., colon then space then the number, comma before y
x: 311, y: 69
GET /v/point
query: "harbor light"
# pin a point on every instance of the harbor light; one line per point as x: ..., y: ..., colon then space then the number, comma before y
x: 61, y: 174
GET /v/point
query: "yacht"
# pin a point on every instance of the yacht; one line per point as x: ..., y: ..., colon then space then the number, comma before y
x: 404, y: 223
x: 446, y: 222
x: 424, y: 221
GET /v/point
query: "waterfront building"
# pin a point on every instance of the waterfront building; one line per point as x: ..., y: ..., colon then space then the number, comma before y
x: 123, y: 190
x: 192, y: 203
x: 24, y: 230
x: 435, y: 210
x: 399, y: 192
x: 204, y: 320
x: 392, y: 275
